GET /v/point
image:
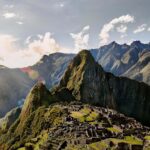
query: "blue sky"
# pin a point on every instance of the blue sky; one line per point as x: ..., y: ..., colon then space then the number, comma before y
x: 30, y: 29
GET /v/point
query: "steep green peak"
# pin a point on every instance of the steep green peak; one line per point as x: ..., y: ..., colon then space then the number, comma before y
x: 82, y: 74
x: 86, y: 56
x: 77, y: 67
x: 38, y: 96
x: 84, y: 53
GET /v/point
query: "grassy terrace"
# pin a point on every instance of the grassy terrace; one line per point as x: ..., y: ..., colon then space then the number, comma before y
x: 85, y: 114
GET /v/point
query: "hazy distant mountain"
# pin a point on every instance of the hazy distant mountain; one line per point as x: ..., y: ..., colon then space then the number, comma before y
x: 132, y: 61
x: 51, y: 68
x: 16, y: 83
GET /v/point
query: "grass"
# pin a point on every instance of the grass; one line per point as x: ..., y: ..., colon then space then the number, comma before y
x: 85, y: 110
x: 85, y: 114
x: 114, y: 129
x: 98, y: 145
x: 147, y: 137
x: 128, y: 139
x: 104, y: 144
x: 22, y: 148
x: 43, y: 139
x: 78, y: 115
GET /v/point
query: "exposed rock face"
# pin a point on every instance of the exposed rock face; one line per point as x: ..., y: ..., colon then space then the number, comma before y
x: 85, y: 78
x: 89, y: 83
x: 131, y: 61
x: 45, y: 125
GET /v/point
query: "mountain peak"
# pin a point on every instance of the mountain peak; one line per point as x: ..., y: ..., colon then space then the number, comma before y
x: 81, y: 62
x: 82, y: 76
x: 38, y: 96
x: 136, y: 43
x: 114, y: 43
x: 85, y: 55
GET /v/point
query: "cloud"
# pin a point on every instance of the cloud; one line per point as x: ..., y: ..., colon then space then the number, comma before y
x: 9, y: 15
x: 140, y: 28
x: 107, y: 28
x: 148, y: 29
x: 7, y: 44
x: 81, y: 39
x: 19, y: 22
x: 122, y: 29
x: 13, y: 56
x: 27, y: 41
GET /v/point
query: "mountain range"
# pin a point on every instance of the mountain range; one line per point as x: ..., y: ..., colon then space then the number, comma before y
x: 132, y: 61
x: 89, y: 109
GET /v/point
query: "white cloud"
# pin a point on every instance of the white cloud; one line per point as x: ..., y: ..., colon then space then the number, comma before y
x: 81, y: 39
x: 27, y: 41
x: 12, y: 56
x: 140, y: 28
x: 9, y: 15
x: 122, y: 29
x: 7, y: 44
x: 148, y: 29
x: 107, y: 28
x: 19, y: 22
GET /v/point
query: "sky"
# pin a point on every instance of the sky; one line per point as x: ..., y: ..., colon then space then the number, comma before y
x: 31, y: 29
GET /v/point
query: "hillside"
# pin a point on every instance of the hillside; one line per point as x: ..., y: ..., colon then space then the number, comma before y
x: 131, y: 61
x: 76, y: 114
x: 16, y: 83
x: 89, y: 83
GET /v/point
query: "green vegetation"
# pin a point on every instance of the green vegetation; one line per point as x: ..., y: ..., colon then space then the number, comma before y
x: 114, y: 129
x: 85, y: 114
x: 98, y: 145
x: 104, y: 144
x: 128, y: 139
x: 147, y: 137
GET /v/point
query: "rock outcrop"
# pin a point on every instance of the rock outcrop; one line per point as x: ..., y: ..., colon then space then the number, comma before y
x: 89, y: 83
x: 67, y: 117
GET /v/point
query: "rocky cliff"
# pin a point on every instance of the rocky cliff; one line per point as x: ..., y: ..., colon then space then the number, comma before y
x: 89, y: 83
x: 66, y: 117
x: 131, y: 61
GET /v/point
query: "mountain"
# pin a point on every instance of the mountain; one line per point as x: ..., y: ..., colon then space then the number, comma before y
x: 131, y: 61
x: 76, y: 126
x: 51, y: 68
x: 89, y: 83
x: 72, y: 115
x: 16, y: 83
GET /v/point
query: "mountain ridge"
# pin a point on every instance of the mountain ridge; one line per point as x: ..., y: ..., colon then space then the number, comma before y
x: 116, y: 58
x: 89, y: 83
x: 49, y: 121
